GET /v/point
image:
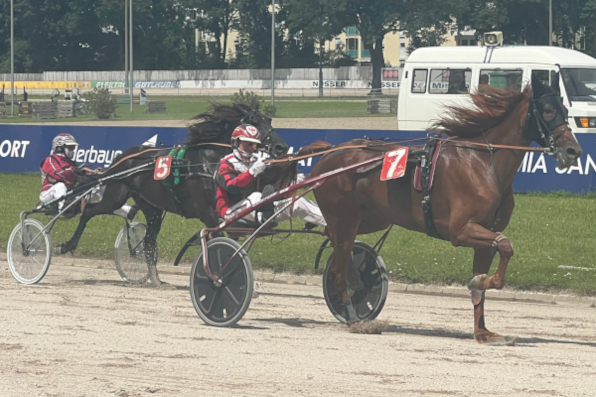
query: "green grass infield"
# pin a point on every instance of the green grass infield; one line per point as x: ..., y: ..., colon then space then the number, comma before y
x: 186, y: 107
x: 546, y: 230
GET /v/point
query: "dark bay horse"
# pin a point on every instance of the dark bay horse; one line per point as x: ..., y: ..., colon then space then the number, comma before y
x: 194, y: 196
x: 472, y: 198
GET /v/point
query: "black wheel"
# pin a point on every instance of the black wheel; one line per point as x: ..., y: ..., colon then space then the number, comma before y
x: 369, y: 299
x: 31, y: 265
x: 129, y: 256
x: 322, y: 248
x: 222, y: 304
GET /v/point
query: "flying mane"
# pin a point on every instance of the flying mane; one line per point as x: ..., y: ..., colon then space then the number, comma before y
x: 491, y: 107
x: 216, y: 124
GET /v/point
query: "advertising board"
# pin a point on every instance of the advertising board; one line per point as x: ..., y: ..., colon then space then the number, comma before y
x: 23, y: 147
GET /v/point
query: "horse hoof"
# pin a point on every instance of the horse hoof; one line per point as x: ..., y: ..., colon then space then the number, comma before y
x: 368, y: 327
x: 166, y: 287
x: 502, y: 341
x: 478, y: 283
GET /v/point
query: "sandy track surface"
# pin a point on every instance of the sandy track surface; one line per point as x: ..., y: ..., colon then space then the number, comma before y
x: 83, y: 332
x: 333, y: 123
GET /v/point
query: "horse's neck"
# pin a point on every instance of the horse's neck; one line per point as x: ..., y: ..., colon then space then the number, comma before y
x: 511, y: 130
x: 510, y: 133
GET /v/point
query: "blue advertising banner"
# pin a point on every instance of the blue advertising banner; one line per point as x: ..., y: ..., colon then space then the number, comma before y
x: 23, y: 148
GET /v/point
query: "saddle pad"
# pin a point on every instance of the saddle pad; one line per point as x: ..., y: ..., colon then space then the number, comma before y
x: 431, y: 177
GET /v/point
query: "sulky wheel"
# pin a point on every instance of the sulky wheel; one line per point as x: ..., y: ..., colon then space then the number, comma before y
x: 224, y: 303
x: 369, y: 299
x: 29, y: 265
x: 129, y: 256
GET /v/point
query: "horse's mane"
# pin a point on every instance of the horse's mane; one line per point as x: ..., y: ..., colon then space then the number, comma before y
x: 491, y: 107
x: 216, y: 124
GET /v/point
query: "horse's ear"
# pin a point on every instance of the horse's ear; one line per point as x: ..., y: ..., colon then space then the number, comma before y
x: 242, y: 109
x: 537, y: 86
x: 255, y: 104
x: 554, y: 84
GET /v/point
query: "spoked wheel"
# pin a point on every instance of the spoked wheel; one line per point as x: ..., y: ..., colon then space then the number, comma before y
x: 369, y: 299
x: 28, y: 266
x: 129, y: 256
x: 222, y: 304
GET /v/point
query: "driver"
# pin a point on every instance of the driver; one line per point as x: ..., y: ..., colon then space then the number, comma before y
x: 59, y: 174
x: 239, y: 169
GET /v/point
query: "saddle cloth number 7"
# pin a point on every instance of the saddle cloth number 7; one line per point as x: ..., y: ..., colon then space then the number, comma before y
x: 394, y: 164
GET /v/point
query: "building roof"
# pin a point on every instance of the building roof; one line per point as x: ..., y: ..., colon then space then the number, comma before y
x: 507, y: 54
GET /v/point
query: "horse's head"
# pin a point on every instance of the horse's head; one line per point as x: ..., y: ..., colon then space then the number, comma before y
x: 273, y: 143
x: 547, y: 123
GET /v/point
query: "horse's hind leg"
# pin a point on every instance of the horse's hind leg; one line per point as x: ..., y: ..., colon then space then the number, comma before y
x: 343, y: 230
x: 114, y: 197
x: 72, y: 244
x: 154, y: 217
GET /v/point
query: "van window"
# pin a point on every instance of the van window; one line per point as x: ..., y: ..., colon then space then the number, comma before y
x: 450, y: 81
x: 543, y: 76
x: 419, y: 81
x: 580, y: 84
x: 501, y: 78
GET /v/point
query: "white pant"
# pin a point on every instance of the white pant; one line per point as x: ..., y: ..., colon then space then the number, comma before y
x: 56, y: 191
x: 59, y: 190
x: 303, y: 209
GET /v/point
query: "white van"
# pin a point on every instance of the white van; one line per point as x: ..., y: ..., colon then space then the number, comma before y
x: 438, y: 76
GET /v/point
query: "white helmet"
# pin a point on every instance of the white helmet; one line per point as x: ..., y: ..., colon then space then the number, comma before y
x: 62, y: 142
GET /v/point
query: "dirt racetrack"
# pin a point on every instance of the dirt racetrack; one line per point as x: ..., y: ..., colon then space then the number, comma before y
x: 83, y: 332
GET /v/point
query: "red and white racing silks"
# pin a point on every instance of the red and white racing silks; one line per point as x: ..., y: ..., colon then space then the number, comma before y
x: 232, y: 176
x: 58, y: 168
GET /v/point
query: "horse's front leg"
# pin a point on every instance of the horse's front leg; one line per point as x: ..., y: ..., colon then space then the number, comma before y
x: 483, y: 258
x: 486, y: 243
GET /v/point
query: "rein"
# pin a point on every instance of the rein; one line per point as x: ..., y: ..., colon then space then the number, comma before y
x: 380, y: 146
x: 156, y: 149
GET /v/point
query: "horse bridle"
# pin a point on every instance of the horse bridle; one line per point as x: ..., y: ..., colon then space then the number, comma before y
x: 547, y: 135
x: 267, y: 132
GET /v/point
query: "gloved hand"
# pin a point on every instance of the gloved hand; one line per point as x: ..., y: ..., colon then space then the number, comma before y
x: 257, y: 168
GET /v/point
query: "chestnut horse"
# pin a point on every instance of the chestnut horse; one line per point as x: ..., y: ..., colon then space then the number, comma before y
x: 472, y: 197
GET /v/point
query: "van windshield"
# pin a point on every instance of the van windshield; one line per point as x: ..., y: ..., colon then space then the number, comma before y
x: 580, y: 84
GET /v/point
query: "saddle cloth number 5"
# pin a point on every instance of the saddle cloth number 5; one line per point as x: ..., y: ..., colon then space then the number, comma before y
x: 163, y: 166
x: 394, y: 164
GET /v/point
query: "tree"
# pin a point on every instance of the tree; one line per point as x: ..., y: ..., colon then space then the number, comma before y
x: 214, y: 18
x: 322, y: 22
x: 374, y: 19
x: 588, y: 17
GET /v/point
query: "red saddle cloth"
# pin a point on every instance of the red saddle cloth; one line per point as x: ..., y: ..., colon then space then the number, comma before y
x: 431, y: 173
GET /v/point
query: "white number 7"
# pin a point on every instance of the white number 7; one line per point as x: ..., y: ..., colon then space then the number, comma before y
x: 399, y: 153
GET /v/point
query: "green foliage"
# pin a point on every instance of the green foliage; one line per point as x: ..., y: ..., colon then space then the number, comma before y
x: 253, y: 100
x: 246, y: 97
x: 101, y: 103
x: 268, y: 109
x: 89, y: 34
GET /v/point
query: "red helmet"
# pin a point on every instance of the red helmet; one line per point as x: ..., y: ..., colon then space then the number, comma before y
x: 62, y: 140
x: 246, y: 133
